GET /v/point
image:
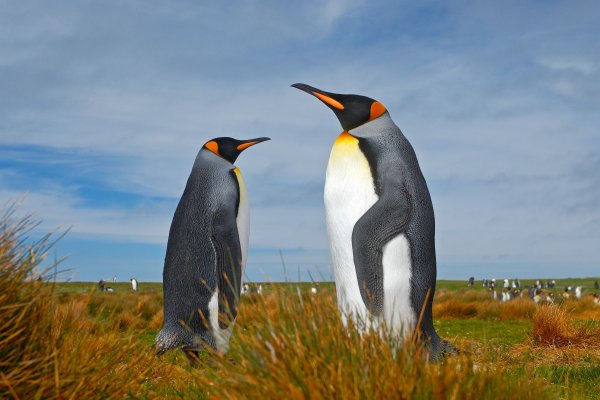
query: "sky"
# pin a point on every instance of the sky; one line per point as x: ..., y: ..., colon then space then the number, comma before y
x: 105, y: 105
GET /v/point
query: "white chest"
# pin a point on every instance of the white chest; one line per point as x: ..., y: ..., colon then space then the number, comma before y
x: 349, y: 193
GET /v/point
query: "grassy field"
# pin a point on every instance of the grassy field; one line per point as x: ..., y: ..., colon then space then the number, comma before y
x: 68, y: 340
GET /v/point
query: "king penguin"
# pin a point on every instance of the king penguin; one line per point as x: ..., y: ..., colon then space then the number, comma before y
x: 380, y: 221
x: 206, y: 251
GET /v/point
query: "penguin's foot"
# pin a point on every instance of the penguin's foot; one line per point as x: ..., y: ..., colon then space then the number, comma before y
x: 445, y: 349
x: 448, y: 349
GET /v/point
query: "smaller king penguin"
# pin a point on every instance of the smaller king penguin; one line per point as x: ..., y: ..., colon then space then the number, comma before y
x: 206, y: 252
x: 380, y: 222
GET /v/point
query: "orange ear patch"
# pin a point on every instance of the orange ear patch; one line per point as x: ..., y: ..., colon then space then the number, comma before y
x: 377, y: 110
x: 213, y: 146
x: 244, y: 146
x: 328, y: 100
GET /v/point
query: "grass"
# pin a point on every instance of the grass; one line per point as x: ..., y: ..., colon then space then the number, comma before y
x: 68, y: 340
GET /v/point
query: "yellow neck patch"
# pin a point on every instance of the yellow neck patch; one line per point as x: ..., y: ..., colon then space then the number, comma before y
x: 344, y: 145
x: 241, y: 183
x: 345, y: 137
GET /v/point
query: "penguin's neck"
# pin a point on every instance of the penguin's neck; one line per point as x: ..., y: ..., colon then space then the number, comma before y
x: 373, y: 128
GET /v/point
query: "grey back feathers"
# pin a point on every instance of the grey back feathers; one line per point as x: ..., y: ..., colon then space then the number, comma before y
x: 396, y: 172
x: 203, y: 246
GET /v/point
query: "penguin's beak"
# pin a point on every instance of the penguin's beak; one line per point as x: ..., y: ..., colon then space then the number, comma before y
x: 251, y: 142
x: 328, y: 98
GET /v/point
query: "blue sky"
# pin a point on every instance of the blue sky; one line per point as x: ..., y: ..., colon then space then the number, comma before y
x: 105, y: 104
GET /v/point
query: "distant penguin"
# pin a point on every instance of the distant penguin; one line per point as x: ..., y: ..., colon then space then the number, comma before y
x: 206, y: 251
x: 245, y: 288
x: 538, y: 284
x: 505, y: 284
x: 505, y: 294
x: 596, y: 285
x: 134, y: 284
x: 471, y: 281
x: 493, y: 293
x: 579, y: 292
x: 380, y: 221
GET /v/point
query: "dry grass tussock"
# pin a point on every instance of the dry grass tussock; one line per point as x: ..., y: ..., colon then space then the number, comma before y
x: 552, y: 326
x: 97, y: 345
x: 49, y: 349
x: 298, y: 348
x: 471, y: 304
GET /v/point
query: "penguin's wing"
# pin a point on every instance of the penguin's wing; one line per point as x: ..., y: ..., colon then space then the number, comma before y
x: 226, y: 242
x: 386, y: 219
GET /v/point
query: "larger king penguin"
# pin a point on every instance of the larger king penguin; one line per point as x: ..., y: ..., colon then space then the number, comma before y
x: 380, y: 221
x: 206, y: 251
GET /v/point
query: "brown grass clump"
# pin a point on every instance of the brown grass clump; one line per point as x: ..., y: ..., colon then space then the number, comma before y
x: 451, y: 309
x: 520, y: 308
x: 48, y: 349
x: 552, y: 326
x: 156, y: 320
x: 479, y: 305
x: 295, y: 348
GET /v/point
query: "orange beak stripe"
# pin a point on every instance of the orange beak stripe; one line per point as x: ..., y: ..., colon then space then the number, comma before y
x: 213, y: 146
x: 377, y: 110
x: 328, y: 100
x: 244, y: 146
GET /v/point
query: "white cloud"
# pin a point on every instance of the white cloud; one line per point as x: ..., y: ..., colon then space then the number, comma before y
x: 500, y: 104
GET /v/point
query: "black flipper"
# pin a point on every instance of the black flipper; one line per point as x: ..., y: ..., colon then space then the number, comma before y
x: 226, y: 241
x: 387, y: 218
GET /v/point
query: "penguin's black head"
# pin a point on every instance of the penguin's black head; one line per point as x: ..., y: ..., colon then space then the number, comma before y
x: 230, y: 148
x: 351, y: 109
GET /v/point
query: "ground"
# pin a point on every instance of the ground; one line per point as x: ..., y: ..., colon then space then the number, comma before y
x: 495, y: 339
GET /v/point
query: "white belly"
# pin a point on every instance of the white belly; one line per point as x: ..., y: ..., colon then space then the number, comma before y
x: 349, y: 193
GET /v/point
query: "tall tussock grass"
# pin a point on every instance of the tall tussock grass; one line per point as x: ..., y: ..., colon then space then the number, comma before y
x: 552, y: 326
x: 471, y: 304
x: 49, y: 349
x: 294, y: 347
x: 287, y: 344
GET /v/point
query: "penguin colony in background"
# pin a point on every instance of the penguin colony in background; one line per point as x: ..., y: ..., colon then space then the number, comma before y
x: 206, y: 251
x: 380, y: 222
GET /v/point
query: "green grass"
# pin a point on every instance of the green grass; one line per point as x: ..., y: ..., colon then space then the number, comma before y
x: 486, y: 332
x: 574, y: 382
x: 452, y: 285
